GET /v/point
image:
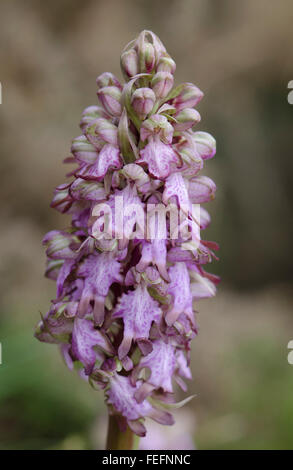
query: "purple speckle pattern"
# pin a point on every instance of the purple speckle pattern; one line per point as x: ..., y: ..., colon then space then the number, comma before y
x: 138, y: 310
x: 159, y: 157
x: 161, y: 362
x: 121, y: 396
x: 84, y: 338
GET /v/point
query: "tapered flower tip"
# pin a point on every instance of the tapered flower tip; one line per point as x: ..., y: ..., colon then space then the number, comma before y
x: 143, y: 100
x: 138, y: 310
x: 84, y: 338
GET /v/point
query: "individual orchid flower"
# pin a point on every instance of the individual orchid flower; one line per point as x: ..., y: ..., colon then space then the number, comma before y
x: 160, y: 363
x: 84, y: 339
x: 179, y: 288
x: 99, y: 273
x: 138, y: 310
x: 121, y: 396
x: 127, y: 282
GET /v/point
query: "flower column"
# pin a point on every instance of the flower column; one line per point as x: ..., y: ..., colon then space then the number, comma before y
x: 123, y: 314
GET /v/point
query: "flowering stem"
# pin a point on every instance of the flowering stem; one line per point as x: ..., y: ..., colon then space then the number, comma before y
x: 120, y: 440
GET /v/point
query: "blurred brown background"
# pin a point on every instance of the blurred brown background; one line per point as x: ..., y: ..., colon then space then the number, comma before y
x: 239, y: 53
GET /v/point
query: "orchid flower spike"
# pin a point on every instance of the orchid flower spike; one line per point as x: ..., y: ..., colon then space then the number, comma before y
x: 126, y: 291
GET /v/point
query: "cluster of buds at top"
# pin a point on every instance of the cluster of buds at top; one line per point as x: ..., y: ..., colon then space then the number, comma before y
x: 123, y: 314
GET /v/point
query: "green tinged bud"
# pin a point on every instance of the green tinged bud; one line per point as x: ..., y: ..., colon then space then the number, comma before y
x: 166, y: 64
x: 129, y: 63
x: 162, y: 83
x: 142, y: 101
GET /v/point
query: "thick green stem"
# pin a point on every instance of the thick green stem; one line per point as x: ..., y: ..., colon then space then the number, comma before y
x: 118, y: 440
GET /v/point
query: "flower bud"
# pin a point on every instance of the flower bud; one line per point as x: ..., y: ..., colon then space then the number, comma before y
x: 59, y: 244
x: 83, y: 150
x: 148, y: 58
x: 146, y: 53
x: 205, y: 144
x: 186, y: 95
x: 157, y: 125
x: 186, y: 119
x: 166, y: 64
x: 110, y: 97
x: 119, y: 279
x: 162, y: 83
x: 108, y: 79
x: 90, y: 114
x: 142, y: 101
x: 201, y: 189
x: 129, y: 63
x: 102, y: 130
x: 192, y: 163
x: 159, y: 48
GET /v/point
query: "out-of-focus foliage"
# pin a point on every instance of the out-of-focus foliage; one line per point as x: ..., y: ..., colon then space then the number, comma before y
x: 239, y: 53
